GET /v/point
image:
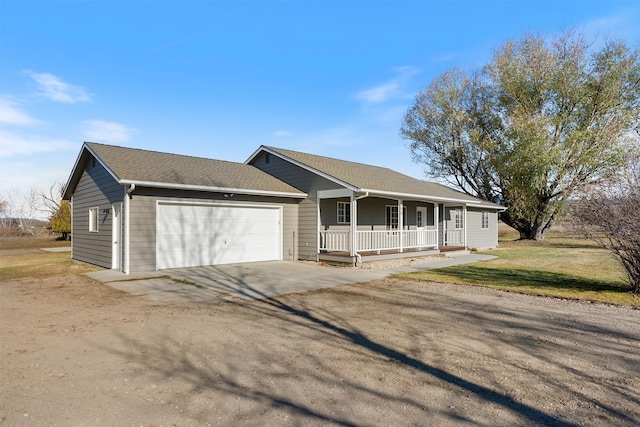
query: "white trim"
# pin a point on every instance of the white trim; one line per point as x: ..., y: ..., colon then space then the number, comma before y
x: 72, y: 227
x: 116, y: 236
x: 334, y: 194
x: 95, y: 156
x: 353, y: 226
x: 96, y: 228
x: 482, y: 216
x: 225, y: 204
x: 127, y: 231
x: 318, y: 223
x: 424, y: 197
x: 75, y: 166
x: 404, y: 211
x: 422, y: 210
x: 464, y: 225
x: 401, y: 211
x: 345, y: 204
x: 462, y: 210
x: 301, y: 165
x: 436, y: 222
x: 395, y: 195
x: 214, y: 189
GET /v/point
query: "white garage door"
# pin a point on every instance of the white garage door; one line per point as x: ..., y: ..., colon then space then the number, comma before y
x: 192, y: 235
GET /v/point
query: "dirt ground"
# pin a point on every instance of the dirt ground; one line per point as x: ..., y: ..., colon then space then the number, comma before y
x: 75, y: 352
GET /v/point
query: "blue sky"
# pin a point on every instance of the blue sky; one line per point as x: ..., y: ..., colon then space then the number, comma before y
x: 219, y: 78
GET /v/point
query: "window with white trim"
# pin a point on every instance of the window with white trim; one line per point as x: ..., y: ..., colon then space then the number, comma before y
x: 344, y: 212
x: 458, y: 218
x: 485, y: 219
x: 391, y: 216
x: 93, y: 220
x: 419, y: 219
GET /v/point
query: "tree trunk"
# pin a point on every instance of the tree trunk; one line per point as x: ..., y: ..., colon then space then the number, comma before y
x: 526, y: 229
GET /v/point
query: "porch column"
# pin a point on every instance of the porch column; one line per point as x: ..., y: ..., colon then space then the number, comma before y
x: 464, y: 223
x: 400, y: 224
x: 353, y: 226
x: 436, y: 224
x: 444, y: 224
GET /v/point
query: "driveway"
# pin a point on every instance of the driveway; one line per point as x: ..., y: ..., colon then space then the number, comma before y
x: 256, y: 280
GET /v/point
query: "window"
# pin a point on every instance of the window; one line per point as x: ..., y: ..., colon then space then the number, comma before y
x: 419, y: 219
x: 459, y: 223
x: 391, y: 217
x: 485, y: 219
x: 93, y: 220
x: 344, y: 212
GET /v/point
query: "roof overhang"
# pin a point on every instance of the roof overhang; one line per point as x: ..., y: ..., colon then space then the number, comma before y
x: 408, y: 196
x: 76, y: 172
x: 373, y: 192
x: 212, y: 189
x: 70, y: 186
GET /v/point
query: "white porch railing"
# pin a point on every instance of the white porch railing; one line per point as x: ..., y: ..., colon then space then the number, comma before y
x: 454, y: 237
x: 334, y: 240
x: 378, y: 240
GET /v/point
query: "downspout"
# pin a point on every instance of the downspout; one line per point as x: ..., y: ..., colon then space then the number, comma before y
x: 126, y: 226
x: 357, y: 255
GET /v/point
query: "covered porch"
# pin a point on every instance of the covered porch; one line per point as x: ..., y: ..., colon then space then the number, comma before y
x: 360, y: 227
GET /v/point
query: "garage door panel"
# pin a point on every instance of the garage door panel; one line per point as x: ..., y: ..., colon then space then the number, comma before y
x: 192, y: 235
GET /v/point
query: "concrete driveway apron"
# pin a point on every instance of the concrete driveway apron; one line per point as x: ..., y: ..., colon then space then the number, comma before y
x: 255, y: 280
x: 258, y: 280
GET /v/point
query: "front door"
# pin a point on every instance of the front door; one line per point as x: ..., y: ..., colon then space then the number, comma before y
x: 421, y: 224
x: 116, y: 224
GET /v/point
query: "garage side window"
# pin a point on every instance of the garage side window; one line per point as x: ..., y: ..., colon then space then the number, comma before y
x: 93, y: 220
x: 344, y: 213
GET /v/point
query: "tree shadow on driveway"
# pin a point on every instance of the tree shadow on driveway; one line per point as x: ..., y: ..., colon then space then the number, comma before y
x: 282, y: 349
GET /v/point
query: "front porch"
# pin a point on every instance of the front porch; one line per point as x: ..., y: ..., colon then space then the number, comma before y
x: 355, y: 228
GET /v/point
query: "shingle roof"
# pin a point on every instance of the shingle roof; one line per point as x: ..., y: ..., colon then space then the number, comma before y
x: 139, y: 166
x: 375, y: 178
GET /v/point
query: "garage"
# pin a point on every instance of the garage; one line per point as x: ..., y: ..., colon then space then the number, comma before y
x: 189, y: 235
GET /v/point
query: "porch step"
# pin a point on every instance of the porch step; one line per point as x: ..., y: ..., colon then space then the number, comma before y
x: 456, y: 253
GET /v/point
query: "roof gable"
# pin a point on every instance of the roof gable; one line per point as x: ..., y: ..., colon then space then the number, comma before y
x: 375, y: 179
x: 165, y: 170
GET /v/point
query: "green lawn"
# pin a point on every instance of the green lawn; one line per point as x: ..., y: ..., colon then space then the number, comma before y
x: 560, y: 267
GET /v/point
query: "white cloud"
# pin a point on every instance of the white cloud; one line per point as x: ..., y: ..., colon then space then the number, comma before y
x: 11, y: 114
x: 55, y: 89
x: 379, y: 93
x: 390, y: 89
x: 104, y: 131
x: 282, y: 133
x: 12, y: 144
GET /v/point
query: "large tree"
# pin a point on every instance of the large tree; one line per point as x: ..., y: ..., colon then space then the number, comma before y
x: 542, y: 119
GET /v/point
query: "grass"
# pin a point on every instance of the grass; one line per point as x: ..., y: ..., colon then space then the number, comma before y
x: 561, y: 267
x: 22, y: 258
x: 28, y: 242
x: 39, y: 265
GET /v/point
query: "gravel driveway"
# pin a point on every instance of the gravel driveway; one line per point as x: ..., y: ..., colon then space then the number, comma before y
x: 387, y: 352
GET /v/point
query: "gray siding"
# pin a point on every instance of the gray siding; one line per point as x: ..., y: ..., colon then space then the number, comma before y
x: 142, y: 232
x: 478, y: 237
x: 308, y: 182
x: 96, y: 188
x: 371, y: 214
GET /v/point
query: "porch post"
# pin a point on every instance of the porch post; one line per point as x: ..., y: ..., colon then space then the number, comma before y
x: 400, y: 223
x: 353, y: 226
x: 464, y: 224
x: 436, y: 220
x: 444, y: 224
